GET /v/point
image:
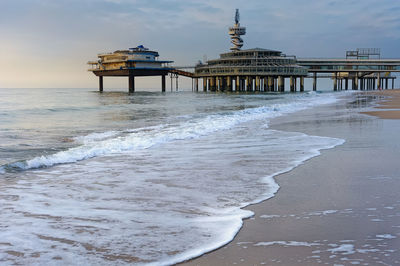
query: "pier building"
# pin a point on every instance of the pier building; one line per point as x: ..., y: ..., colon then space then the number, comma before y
x: 249, y: 70
x: 138, y: 61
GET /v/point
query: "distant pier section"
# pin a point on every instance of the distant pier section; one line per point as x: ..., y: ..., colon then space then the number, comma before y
x: 362, y: 69
x: 138, y: 61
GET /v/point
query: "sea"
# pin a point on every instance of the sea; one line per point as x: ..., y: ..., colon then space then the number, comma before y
x: 149, y: 178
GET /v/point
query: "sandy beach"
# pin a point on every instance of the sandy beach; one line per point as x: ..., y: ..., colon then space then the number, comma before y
x: 340, y: 208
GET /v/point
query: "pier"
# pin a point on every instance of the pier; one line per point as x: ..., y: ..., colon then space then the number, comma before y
x: 251, y: 70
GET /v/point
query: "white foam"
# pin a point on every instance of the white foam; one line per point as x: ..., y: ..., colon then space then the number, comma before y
x: 269, y: 216
x: 326, y: 212
x: 386, y: 236
x: 366, y: 251
x: 286, y: 243
x: 345, y: 249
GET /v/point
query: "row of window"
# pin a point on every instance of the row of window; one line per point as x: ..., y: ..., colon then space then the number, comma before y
x: 261, y: 62
x: 269, y: 70
x: 251, y: 54
x: 355, y: 67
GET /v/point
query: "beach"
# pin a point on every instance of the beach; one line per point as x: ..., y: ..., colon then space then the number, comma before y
x: 116, y: 178
x: 340, y: 208
x: 152, y: 178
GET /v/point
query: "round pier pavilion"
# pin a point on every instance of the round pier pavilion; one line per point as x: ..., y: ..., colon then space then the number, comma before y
x: 251, y: 70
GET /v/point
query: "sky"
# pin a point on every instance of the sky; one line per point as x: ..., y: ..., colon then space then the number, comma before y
x: 47, y: 43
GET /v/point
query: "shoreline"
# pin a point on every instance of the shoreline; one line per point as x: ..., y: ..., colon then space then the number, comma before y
x: 295, y: 228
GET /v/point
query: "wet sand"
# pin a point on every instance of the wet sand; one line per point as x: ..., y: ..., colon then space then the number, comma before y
x: 390, y: 102
x: 342, y: 207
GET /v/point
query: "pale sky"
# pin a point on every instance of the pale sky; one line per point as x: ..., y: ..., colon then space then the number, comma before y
x: 47, y: 43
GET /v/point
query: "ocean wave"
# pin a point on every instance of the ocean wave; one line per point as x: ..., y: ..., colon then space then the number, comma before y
x: 113, y: 142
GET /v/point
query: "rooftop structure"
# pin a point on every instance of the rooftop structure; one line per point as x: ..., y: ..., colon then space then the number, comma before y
x: 364, y: 53
x: 133, y: 58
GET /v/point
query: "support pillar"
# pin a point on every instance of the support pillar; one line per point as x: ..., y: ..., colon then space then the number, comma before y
x: 356, y: 83
x: 257, y: 88
x: 346, y: 83
x: 100, y: 83
x: 292, y: 84
x: 301, y: 84
x: 265, y: 84
x: 213, y: 86
x: 378, y: 80
x: 281, y: 85
x: 315, y: 82
x: 249, y: 83
x: 387, y: 83
x: 270, y: 84
x: 131, y: 83
x: 392, y: 83
x: 237, y: 87
x: 335, y: 82
x: 163, y: 86
x: 204, y: 84
x: 229, y: 83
